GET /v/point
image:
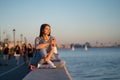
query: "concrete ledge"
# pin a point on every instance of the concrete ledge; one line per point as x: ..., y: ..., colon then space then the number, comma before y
x: 61, y: 73
x: 59, y: 64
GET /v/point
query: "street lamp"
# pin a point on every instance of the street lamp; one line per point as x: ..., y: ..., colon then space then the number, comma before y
x: 21, y: 37
x: 14, y: 37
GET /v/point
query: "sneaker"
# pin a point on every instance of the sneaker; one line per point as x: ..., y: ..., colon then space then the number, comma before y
x: 51, y: 64
x: 38, y: 66
x: 53, y: 67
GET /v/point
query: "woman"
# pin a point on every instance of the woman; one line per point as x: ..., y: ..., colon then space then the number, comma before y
x: 30, y: 53
x: 6, y: 52
x: 44, y: 45
x: 24, y: 52
x: 17, y: 54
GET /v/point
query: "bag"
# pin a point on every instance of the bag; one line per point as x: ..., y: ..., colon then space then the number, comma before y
x: 14, y: 53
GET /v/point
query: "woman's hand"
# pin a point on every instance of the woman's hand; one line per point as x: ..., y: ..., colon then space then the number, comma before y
x: 53, y: 42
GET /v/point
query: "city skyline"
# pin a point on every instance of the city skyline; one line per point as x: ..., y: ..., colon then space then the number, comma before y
x: 77, y: 21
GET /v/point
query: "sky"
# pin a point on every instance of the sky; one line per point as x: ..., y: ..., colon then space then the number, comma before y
x: 71, y: 21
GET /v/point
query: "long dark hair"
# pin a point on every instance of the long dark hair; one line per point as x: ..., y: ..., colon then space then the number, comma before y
x: 42, y: 29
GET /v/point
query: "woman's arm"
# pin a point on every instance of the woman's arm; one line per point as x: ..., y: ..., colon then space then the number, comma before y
x: 52, y: 42
x: 40, y: 46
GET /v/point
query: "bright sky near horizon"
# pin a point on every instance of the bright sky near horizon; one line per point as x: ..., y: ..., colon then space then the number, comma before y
x: 72, y: 21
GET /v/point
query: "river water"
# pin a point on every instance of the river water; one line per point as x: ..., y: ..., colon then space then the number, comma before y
x: 93, y: 64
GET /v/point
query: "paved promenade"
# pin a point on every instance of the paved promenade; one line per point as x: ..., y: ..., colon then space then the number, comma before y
x: 12, y: 71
